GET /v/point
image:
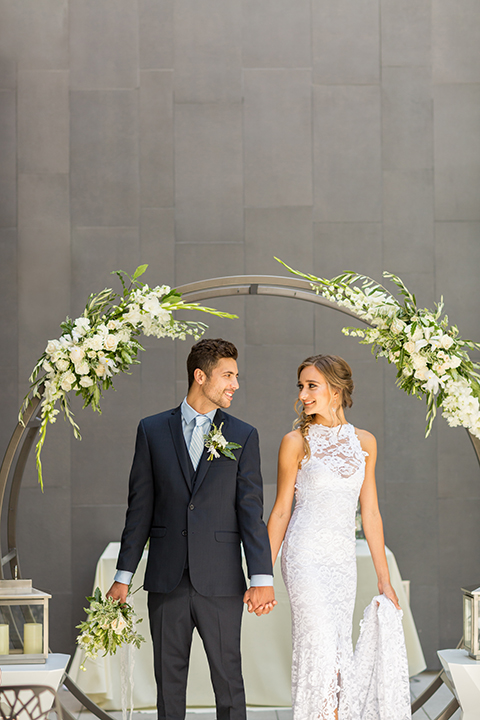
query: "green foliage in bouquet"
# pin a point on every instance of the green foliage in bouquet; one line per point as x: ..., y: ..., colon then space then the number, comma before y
x: 109, y: 625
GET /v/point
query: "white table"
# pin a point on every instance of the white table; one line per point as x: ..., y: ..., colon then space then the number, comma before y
x: 464, y: 674
x: 266, y: 644
x: 48, y: 673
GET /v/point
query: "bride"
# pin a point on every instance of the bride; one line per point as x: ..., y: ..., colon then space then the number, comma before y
x: 328, y: 464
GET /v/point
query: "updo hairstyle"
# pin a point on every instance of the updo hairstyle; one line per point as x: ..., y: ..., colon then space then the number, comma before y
x: 338, y: 375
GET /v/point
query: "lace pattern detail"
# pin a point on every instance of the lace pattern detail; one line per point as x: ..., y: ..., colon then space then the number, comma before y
x: 320, y: 574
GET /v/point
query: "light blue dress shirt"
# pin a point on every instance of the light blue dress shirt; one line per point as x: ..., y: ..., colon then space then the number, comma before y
x: 188, y: 423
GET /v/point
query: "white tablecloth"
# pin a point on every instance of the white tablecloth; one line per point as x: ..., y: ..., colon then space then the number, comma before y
x: 266, y: 644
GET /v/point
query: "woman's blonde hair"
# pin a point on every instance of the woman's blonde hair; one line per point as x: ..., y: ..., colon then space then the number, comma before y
x: 338, y: 375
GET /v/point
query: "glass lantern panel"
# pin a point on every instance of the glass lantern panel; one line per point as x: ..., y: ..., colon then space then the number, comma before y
x: 467, y: 622
x: 21, y: 629
x: 478, y: 625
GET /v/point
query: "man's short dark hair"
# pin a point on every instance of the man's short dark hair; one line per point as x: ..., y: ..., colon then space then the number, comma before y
x: 206, y: 353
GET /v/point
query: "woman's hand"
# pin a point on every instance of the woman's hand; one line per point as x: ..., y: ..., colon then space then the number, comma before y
x: 390, y: 593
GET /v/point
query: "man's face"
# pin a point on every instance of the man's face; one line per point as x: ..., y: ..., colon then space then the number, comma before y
x: 220, y: 386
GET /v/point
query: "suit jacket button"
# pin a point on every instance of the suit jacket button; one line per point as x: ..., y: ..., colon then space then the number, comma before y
x: 191, y: 506
x: 184, y: 533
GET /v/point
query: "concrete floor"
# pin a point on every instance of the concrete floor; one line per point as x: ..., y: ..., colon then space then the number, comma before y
x: 417, y: 684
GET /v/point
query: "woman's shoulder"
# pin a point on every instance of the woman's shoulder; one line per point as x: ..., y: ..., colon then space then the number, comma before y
x: 367, y: 440
x: 292, y: 441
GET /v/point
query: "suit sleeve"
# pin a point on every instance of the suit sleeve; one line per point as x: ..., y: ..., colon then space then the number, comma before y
x: 140, y: 505
x: 253, y: 530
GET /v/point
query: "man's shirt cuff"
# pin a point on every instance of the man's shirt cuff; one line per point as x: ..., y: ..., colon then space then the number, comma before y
x: 123, y: 576
x: 261, y: 580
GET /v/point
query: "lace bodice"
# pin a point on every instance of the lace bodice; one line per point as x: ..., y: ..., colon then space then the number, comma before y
x: 326, y: 494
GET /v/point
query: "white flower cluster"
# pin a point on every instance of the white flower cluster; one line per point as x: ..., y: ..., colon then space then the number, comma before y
x: 431, y: 359
x: 109, y: 625
x: 423, y: 349
x: 94, y: 351
x: 102, y: 342
x: 216, y: 444
x: 214, y: 441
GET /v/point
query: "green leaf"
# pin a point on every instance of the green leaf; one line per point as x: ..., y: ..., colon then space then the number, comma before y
x: 139, y: 271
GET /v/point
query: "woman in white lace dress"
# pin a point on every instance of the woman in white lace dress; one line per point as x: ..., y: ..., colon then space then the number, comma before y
x: 327, y: 464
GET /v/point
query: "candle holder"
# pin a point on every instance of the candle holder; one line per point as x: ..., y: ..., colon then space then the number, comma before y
x: 23, y: 623
x: 471, y: 626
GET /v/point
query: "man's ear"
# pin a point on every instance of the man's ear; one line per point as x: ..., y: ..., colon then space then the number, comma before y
x: 199, y: 376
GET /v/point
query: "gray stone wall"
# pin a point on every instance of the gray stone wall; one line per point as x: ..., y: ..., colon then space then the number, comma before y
x: 204, y: 137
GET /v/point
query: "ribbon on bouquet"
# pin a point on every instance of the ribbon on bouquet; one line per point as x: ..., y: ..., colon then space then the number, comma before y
x: 127, y: 665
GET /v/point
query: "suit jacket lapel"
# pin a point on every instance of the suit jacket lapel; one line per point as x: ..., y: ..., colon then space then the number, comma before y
x: 204, y: 464
x: 175, y: 422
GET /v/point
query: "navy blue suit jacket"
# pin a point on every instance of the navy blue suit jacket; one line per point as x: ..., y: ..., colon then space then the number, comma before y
x: 201, y: 516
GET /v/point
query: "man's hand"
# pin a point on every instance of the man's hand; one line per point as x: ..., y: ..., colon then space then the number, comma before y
x: 118, y: 591
x: 260, y: 600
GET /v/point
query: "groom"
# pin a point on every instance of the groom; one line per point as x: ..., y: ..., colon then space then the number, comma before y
x: 195, y: 511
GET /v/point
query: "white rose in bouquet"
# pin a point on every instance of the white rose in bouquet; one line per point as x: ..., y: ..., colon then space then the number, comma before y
x: 86, y: 381
x: 111, y: 342
x: 77, y: 354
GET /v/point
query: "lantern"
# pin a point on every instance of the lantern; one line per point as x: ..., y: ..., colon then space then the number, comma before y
x: 23, y: 623
x: 471, y: 630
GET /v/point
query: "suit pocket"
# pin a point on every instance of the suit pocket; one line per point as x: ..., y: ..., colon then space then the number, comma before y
x: 157, y: 532
x: 227, y: 537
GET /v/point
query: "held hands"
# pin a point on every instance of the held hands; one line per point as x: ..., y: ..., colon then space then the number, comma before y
x: 260, y: 600
x: 118, y: 591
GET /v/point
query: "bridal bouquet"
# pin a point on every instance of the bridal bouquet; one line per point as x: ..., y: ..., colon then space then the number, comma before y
x: 102, y: 343
x: 431, y: 358
x: 109, y: 625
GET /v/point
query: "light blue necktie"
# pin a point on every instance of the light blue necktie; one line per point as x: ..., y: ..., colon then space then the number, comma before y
x: 197, y: 442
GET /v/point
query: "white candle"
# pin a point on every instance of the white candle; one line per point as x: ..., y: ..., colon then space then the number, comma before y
x: 32, y: 639
x: 4, y: 639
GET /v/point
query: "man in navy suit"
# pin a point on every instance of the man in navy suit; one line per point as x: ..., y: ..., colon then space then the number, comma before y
x: 196, y: 511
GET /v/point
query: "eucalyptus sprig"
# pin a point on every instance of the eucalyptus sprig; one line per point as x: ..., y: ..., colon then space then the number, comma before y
x: 430, y: 356
x: 102, y: 343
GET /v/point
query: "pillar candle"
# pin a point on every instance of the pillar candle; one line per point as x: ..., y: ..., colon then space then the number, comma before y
x: 4, y: 639
x: 32, y: 638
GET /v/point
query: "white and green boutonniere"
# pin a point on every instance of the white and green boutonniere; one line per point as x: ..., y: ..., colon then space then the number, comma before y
x: 216, y: 444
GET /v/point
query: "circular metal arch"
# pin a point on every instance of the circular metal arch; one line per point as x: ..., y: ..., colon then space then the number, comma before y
x: 257, y: 285
x: 24, y: 435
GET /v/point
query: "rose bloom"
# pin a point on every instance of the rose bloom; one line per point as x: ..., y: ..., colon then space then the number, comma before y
x: 68, y: 380
x: 397, y: 326
x: 62, y: 364
x: 77, y: 353
x: 100, y: 370
x: 446, y: 342
x: 111, y: 342
x: 118, y: 624
x: 95, y: 343
x: 82, y: 368
x: 86, y: 381
x: 112, y: 325
x: 52, y: 346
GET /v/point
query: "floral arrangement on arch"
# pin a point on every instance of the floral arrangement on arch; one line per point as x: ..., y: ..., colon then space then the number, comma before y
x: 431, y: 358
x: 102, y: 343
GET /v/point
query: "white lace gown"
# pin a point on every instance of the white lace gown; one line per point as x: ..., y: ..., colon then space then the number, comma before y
x: 320, y: 573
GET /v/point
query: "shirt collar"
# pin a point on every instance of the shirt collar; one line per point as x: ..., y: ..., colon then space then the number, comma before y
x: 189, y: 414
